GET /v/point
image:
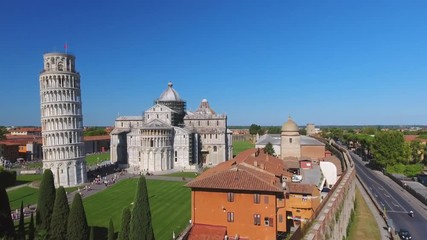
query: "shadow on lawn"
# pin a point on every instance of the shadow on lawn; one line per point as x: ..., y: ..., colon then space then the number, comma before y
x: 100, y: 232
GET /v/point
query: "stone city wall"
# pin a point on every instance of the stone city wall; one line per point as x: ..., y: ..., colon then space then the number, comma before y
x: 333, y: 218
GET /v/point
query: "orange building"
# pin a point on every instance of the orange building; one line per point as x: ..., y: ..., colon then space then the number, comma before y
x: 248, y: 197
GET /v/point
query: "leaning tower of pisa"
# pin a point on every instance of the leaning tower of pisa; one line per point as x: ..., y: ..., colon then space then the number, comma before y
x: 62, y: 120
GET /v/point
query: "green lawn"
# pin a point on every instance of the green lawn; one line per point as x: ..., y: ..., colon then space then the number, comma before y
x: 364, y: 225
x: 241, y: 146
x: 169, y: 204
x: 29, y: 177
x: 26, y: 194
x: 93, y: 159
x: 183, y: 174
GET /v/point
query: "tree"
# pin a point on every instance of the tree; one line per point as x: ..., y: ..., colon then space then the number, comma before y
x: 61, y: 210
x: 21, y: 228
x: 140, y: 225
x: 31, y: 229
x: 268, y: 149
x: 389, y: 148
x: 45, y: 203
x: 254, y: 129
x: 7, y: 179
x: 417, y: 151
x: 111, y: 230
x: 124, y: 233
x: 92, y: 233
x: 77, y: 228
x: 3, y: 132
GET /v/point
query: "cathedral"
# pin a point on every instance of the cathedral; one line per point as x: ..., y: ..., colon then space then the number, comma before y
x: 167, y: 137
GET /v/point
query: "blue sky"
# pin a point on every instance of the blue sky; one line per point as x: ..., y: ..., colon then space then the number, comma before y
x: 325, y: 62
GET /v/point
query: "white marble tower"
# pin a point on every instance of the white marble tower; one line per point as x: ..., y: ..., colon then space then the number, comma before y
x: 62, y: 120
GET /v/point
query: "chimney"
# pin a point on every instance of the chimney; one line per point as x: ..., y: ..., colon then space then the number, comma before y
x: 255, y: 163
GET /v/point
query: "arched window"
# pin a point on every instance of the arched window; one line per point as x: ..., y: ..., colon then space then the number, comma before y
x: 215, y: 148
x: 290, y: 140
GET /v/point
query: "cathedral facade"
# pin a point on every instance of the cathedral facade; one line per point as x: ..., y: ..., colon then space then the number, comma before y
x: 167, y: 137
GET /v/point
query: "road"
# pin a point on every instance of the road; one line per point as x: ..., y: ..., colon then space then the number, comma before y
x: 396, y: 201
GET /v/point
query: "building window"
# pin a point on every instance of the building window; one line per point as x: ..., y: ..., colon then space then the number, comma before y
x: 215, y: 148
x: 151, y: 143
x: 217, y: 123
x: 257, y: 198
x: 280, y: 218
x: 266, y: 199
x: 268, y: 221
x: 230, y: 197
x: 304, y: 197
x: 176, y: 156
x: 257, y: 219
x: 230, y: 217
x: 198, y: 123
x: 290, y: 140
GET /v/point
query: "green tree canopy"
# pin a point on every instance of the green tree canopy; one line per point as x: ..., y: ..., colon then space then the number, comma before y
x: 389, y: 148
x: 21, y: 227
x: 7, y: 179
x: 124, y: 232
x: 61, y: 210
x: 111, y: 230
x: 3, y: 132
x: 95, y: 131
x: 45, y: 203
x: 254, y: 129
x: 31, y: 228
x: 77, y: 228
x: 140, y: 225
x: 268, y: 149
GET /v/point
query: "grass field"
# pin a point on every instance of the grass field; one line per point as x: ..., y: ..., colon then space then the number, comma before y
x: 183, y: 174
x: 169, y: 204
x: 241, y: 146
x: 93, y: 159
x: 364, y: 225
x: 28, y: 195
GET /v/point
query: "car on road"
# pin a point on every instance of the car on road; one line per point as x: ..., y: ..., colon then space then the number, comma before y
x: 404, y: 234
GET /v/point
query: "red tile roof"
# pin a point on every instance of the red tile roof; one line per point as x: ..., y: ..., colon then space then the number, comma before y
x: 300, y: 188
x: 251, y: 170
x: 207, y: 232
x: 96, y: 138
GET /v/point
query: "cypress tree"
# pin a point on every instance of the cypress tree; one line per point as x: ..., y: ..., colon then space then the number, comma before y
x: 111, y: 230
x: 31, y: 229
x: 92, y: 233
x: 21, y: 228
x: 7, y: 179
x: 61, y: 210
x: 140, y: 225
x: 124, y: 233
x: 77, y: 228
x: 45, y: 202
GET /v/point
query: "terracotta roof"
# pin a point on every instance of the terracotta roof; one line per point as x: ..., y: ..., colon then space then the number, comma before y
x: 411, y: 138
x: 28, y: 129
x: 96, y: 138
x: 239, y: 177
x: 300, y: 188
x: 251, y: 170
x: 207, y: 232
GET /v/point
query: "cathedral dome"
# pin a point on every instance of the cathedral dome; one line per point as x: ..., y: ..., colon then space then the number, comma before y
x: 170, y: 95
x: 290, y: 126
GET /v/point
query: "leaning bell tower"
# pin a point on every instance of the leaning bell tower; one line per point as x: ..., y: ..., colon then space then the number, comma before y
x: 62, y: 120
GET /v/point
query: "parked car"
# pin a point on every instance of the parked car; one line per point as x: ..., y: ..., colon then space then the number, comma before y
x: 404, y: 234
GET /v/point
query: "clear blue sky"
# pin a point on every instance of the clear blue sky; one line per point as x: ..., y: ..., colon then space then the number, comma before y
x: 326, y: 62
